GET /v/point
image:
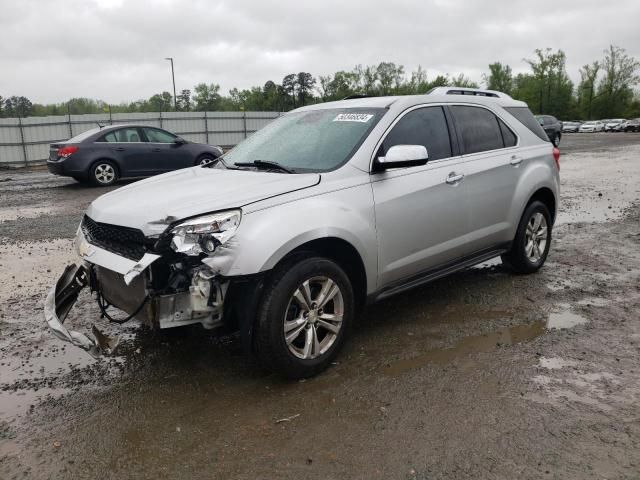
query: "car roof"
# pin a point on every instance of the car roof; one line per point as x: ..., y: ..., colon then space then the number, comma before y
x: 436, y: 96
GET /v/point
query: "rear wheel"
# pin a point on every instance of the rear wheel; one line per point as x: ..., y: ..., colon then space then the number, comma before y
x: 103, y: 173
x: 533, y: 239
x: 304, y: 317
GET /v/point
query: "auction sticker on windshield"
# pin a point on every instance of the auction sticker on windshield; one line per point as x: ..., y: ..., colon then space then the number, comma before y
x: 353, y: 117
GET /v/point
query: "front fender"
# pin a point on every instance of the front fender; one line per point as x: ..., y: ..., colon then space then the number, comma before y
x: 266, y: 236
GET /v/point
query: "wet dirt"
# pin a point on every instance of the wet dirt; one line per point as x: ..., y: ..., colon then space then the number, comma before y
x: 483, y: 374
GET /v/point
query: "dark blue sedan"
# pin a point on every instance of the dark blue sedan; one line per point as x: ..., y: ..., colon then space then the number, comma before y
x: 103, y: 155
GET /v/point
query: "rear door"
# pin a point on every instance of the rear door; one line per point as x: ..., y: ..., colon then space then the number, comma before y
x: 166, y: 155
x: 421, y: 212
x: 492, y: 165
x: 128, y: 146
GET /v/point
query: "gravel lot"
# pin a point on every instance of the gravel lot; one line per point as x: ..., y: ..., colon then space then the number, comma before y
x: 480, y: 375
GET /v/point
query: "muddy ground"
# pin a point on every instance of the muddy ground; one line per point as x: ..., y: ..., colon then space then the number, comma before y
x: 480, y: 375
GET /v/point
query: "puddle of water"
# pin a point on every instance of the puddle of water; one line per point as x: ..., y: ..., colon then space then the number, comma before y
x: 16, y: 212
x: 594, y: 302
x: 564, y: 319
x: 489, y: 342
x: 556, y: 363
x: 26, y: 266
x: 17, y: 403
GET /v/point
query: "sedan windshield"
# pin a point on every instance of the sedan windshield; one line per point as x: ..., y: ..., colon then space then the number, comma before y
x: 312, y: 141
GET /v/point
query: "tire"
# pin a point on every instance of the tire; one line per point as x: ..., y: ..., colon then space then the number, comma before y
x: 291, y: 337
x: 103, y: 173
x: 205, y: 159
x: 526, y: 257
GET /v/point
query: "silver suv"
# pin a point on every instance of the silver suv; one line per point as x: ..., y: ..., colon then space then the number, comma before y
x: 328, y: 208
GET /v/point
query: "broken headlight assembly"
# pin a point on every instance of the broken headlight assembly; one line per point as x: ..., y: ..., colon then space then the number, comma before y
x: 205, y: 233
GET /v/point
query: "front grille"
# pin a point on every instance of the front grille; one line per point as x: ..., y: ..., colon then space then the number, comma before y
x: 124, y: 241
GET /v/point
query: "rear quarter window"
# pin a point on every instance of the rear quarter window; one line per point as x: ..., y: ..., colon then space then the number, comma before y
x: 478, y: 127
x: 525, y: 117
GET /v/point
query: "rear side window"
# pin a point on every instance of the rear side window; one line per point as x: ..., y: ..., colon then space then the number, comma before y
x: 478, y: 127
x: 124, y: 135
x: 524, y: 116
x: 508, y: 136
x: 424, y: 126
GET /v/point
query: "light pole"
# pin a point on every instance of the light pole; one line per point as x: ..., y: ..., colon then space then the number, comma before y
x: 173, y: 78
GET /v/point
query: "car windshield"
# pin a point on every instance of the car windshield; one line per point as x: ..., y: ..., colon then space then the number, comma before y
x: 312, y: 141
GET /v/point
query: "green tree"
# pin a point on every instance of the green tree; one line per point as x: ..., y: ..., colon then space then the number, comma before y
x: 389, y: 76
x: 18, y: 106
x: 207, y: 97
x: 304, y: 86
x: 289, y: 89
x: 184, y: 100
x: 463, y: 81
x: 615, y: 90
x: 587, y: 89
x: 160, y: 102
x: 500, y: 78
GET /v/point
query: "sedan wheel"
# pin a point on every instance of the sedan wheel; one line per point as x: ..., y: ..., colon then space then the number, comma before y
x: 205, y: 160
x: 104, y: 173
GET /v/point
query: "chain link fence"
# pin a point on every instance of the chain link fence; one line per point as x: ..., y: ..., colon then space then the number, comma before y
x: 25, y: 141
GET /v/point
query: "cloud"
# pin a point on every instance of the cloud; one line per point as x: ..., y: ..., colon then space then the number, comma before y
x: 111, y: 49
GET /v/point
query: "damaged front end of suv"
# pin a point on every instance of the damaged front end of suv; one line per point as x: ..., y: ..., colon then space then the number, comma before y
x: 166, y: 280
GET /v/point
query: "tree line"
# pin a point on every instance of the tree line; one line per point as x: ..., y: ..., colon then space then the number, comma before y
x: 605, y: 90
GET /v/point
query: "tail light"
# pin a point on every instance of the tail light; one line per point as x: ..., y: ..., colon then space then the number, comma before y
x: 556, y: 156
x: 67, y: 151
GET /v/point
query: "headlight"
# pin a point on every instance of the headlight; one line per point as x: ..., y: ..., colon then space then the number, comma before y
x: 204, y: 234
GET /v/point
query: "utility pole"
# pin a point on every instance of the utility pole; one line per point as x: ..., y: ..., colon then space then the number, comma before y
x: 173, y: 78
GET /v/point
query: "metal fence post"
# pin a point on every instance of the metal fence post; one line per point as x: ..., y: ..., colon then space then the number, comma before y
x: 24, y: 146
x: 160, y: 112
x: 110, y: 117
x: 206, y: 127
x: 69, y: 120
x: 244, y: 122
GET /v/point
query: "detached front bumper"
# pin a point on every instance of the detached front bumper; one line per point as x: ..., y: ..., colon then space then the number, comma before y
x: 57, y: 305
x: 124, y: 284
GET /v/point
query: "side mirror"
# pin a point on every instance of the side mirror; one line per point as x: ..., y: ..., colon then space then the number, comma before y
x: 179, y: 141
x: 400, y: 156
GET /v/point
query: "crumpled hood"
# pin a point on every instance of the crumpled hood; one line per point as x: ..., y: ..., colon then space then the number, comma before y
x: 151, y: 204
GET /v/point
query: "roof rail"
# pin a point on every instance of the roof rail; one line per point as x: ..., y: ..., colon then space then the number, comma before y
x: 467, y: 91
x: 356, y: 95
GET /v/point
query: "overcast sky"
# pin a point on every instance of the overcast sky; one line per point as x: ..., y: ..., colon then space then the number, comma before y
x: 51, y: 50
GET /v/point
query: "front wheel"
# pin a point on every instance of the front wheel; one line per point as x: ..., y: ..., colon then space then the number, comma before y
x: 304, y: 317
x: 533, y: 239
x: 204, y: 160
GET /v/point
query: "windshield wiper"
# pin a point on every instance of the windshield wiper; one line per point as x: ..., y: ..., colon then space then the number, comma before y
x: 265, y: 165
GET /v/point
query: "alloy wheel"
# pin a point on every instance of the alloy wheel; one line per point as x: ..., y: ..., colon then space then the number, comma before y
x: 313, y: 317
x: 536, y: 237
x: 104, y: 173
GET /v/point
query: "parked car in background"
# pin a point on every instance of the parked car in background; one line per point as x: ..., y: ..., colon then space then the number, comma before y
x: 591, y: 127
x: 327, y: 208
x: 613, y: 124
x: 570, y: 127
x: 552, y: 126
x: 105, y: 154
x: 629, y: 126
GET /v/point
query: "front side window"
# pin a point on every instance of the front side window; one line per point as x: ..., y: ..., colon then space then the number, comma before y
x: 159, y: 136
x: 312, y: 141
x: 123, y: 135
x: 478, y: 128
x: 423, y: 126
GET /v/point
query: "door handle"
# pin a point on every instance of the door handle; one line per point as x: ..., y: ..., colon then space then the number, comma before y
x: 515, y: 160
x: 454, y: 178
x: 120, y: 149
x: 155, y: 149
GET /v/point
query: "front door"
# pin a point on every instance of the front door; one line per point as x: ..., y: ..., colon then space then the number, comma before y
x: 421, y: 212
x: 166, y: 154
